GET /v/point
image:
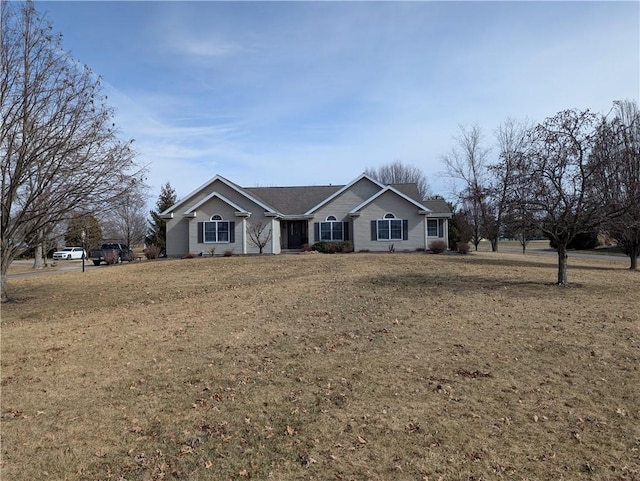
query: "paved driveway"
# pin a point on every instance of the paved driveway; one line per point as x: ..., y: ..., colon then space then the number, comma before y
x: 23, y: 268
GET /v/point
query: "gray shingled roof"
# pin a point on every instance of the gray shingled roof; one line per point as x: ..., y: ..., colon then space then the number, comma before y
x: 410, y: 190
x: 293, y: 200
x: 300, y: 199
x: 438, y: 206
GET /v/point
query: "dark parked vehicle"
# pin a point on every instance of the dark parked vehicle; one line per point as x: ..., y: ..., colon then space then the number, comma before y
x: 112, y: 253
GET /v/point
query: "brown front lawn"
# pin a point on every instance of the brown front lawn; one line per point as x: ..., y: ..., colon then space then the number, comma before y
x: 327, y: 367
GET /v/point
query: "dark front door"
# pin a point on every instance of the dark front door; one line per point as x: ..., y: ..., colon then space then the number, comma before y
x: 297, y: 234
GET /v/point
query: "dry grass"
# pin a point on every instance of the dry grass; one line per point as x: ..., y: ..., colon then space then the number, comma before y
x: 347, y: 367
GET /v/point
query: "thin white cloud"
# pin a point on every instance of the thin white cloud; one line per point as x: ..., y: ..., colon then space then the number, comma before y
x: 279, y: 93
x: 205, y: 47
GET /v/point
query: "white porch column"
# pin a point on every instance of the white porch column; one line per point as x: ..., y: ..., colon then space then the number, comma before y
x: 446, y: 231
x: 426, y: 231
x: 244, y: 235
x: 274, y: 237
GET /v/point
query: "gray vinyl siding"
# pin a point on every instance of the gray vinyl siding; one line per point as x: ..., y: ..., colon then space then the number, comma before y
x: 177, y: 236
x: 402, y: 209
x: 222, y: 189
x: 343, y: 204
x: 203, y: 214
x: 217, y: 206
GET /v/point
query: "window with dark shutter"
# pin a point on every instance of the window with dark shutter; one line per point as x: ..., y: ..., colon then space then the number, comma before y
x: 216, y: 231
x: 389, y: 228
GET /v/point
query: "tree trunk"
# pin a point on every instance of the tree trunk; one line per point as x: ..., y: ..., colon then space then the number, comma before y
x: 633, y: 256
x: 4, y: 297
x: 562, y: 265
x: 37, y: 257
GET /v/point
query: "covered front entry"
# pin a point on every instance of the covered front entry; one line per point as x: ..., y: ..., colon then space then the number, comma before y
x: 294, y: 233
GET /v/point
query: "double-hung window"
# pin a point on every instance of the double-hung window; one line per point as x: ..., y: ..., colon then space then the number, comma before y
x: 390, y: 228
x: 216, y: 230
x: 435, y: 227
x: 331, y: 229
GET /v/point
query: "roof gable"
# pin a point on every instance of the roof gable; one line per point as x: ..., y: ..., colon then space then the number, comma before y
x: 390, y: 188
x: 218, y: 178
x: 194, y: 207
x: 343, y: 189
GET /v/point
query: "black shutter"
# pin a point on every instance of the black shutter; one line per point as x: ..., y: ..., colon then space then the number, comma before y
x: 200, y: 232
x: 232, y: 232
x: 405, y: 230
x: 374, y: 230
x: 345, y: 231
x: 316, y: 231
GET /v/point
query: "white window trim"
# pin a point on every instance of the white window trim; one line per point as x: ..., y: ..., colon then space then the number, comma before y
x: 332, y: 221
x: 217, y: 220
x: 389, y: 218
x: 439, y: 228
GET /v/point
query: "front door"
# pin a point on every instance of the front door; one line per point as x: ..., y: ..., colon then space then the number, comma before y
x: 297, y: 234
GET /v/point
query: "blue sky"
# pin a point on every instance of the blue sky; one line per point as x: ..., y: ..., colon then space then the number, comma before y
x: 300, y: 93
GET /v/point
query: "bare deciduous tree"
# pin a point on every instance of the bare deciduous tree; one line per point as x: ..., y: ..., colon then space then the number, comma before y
x: 617, y: 149
x: 92, y: 232
x: 562, y: 176
x: 508, y: 195
x: 59, y: 150
x: 400, y: 173
x: 259, y: 234
x: 467, y: 163
x: 125, y: 219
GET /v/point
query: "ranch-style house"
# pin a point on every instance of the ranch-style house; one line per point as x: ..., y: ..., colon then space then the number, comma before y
x: 216, y: 217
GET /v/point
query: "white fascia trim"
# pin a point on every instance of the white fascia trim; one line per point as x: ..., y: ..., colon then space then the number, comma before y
x: 166, y: 216
x: 348, y: 186
x: 421, y: 208
x: 295, y: 217
x: 192, y: 209
x: 439, y: 215
x: 226, y: 182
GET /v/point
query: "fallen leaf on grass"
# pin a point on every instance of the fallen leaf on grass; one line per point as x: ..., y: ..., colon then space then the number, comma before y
x: 361, y: 440
x: 101, y: 453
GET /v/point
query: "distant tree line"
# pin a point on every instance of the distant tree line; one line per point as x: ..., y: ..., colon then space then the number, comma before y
x: 570, y: 176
